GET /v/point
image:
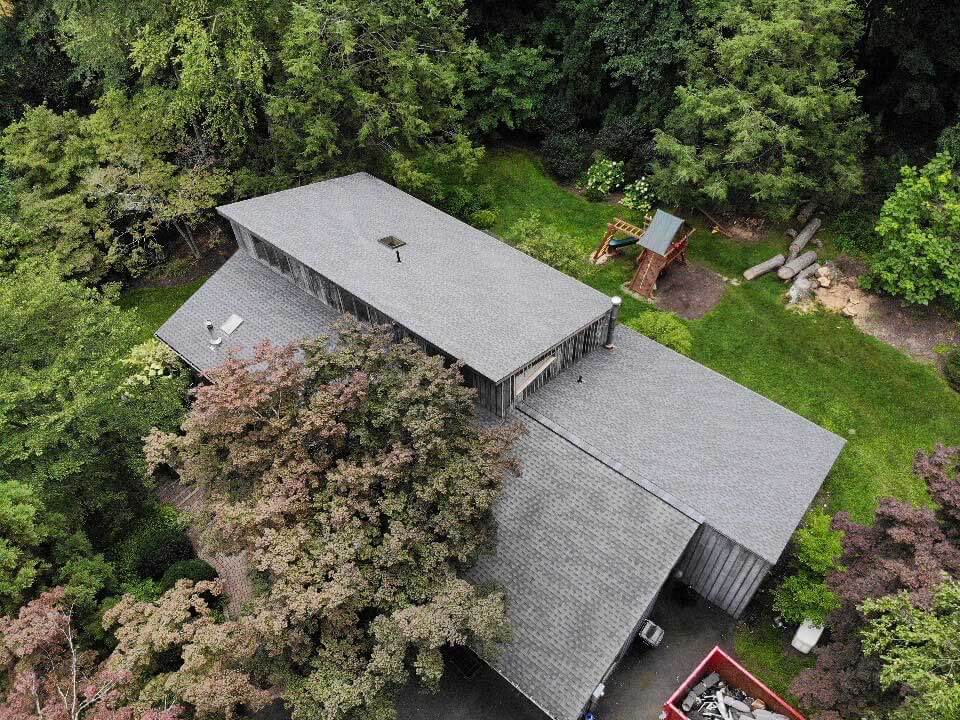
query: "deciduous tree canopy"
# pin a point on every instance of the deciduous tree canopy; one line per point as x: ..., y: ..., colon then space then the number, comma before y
x: 360, y: 486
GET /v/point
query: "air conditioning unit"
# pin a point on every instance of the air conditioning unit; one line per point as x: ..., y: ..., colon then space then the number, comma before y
x: 651, y: 633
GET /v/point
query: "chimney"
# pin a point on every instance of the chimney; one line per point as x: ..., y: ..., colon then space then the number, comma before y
x: 214, y: 339
x: 614, y: 316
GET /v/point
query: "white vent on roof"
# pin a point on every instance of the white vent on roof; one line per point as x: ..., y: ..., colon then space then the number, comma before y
x: 232, y: 323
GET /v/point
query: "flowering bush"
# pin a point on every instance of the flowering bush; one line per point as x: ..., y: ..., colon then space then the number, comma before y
x: 602, y: 177
x: 638, y: 196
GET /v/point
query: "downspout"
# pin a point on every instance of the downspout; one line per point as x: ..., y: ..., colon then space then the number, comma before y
x: 615, y: 302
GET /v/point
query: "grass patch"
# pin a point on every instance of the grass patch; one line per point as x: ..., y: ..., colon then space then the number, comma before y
x: 761, y: 648
x: 820, y: 365
x: 153, y: 305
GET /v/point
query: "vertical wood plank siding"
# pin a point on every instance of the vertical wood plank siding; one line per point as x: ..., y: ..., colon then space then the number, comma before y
x: 497, y: 397
x: 720, y: 570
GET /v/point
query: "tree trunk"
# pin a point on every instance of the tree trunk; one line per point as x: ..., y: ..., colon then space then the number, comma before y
x: 764, y: 267
x: 806, y: 212
x: 803, y: 237
x: 792, y: 267
x: 187, y: 236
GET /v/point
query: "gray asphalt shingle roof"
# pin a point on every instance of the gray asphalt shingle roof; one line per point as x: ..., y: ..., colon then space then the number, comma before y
x: 581, y: 552
x: 461, y: 289
x: 750, y: 466
x: 272, y: 309
x: 661, y: 232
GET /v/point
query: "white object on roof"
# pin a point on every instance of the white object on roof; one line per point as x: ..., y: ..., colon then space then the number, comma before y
x: 232, y: 323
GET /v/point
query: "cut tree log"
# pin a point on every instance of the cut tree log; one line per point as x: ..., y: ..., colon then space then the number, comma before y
x: 764, y: 267
x: 800, y: 290
x: 791, y: 233
x: 806, y: 212
x: 792, y: 267
x: 803, y: 237
x: 809, y: 271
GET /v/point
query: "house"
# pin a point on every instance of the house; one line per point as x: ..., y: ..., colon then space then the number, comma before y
x: 639, y: 464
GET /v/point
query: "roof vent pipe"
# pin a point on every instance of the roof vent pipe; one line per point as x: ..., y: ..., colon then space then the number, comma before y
x: 614, y: 316
x: 214, y: 339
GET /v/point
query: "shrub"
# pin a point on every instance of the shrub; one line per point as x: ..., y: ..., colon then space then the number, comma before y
x: 603, y: 177
x: 550, y: 245
x: 919, y: 227
x: 855, y: 231
x: 638, y: 196
x: 483, y: 219
x: 665, y: 328
x: 150, y: 360
x: 804, y: 597
x: 159, y: 540
x: 817, y: 549
x: 951, y: 368
x: 565, y: 154
x: 194, y: 569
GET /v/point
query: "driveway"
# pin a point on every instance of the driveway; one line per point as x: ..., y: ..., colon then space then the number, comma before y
x: 646, y: 676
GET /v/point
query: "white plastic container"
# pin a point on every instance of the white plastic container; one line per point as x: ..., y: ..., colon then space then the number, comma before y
x: 807, y: 636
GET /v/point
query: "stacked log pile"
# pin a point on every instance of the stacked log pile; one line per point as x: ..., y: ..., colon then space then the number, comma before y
x: 798, y: 266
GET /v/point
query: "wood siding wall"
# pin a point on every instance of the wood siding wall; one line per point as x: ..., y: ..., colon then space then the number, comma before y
x: 725, y: 573
x: 496, y: 397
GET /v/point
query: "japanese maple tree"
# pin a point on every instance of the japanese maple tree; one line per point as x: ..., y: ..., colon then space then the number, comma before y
x: 360, y: 485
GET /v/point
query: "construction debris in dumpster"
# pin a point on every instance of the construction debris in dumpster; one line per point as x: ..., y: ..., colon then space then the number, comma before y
x: 713, y: 699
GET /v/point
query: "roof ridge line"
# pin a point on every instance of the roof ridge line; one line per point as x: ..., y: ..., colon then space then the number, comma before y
x: 609, y: 462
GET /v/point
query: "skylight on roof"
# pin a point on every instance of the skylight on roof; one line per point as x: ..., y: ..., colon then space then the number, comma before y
x: 391, y: 242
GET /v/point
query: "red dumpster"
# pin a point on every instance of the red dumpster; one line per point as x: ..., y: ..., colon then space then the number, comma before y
x: 732, y: 673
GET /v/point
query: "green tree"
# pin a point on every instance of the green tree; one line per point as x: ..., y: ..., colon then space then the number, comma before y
x: 203, y: 63
x: 34, y: 69
x: 919, y: 228
x: 360, y: 486
x: 769, y: 114
x: 507, y: 86
x: 100, y: 192
x: 369, y: 81
x: 70, y: 426
x: 23, y: 530
x: 912, y: 83
x: 919, y: 648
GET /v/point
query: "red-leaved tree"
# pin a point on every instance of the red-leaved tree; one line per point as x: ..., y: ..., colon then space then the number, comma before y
x: 360, y: 485
x: 49, y: 677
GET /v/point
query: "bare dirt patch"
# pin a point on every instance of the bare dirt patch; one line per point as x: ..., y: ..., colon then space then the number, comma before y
x: 917, y: 331
x: 690, y: 290
x: 748, y: 230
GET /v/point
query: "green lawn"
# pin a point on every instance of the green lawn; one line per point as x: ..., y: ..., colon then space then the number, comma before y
x: 154, y: 305
x: 819, y: 365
